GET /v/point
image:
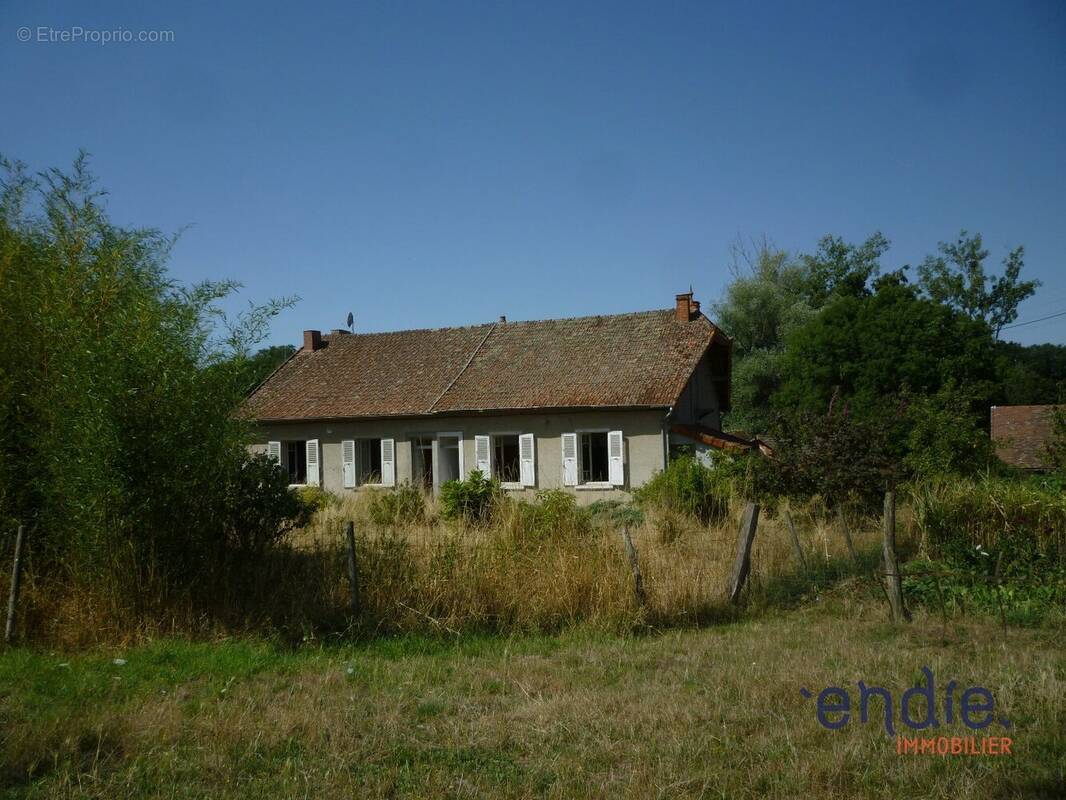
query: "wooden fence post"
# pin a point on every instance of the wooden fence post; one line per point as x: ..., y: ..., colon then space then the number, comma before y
x: 742, y: 563
x: 638, y: 579
x: 892, y: 576
x: 353, y: 571
x: 13, y: 596
x: 795, y: 540
x: 847, y: 534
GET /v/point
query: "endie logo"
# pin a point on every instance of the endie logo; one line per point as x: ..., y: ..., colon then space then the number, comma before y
x: 973, y: 706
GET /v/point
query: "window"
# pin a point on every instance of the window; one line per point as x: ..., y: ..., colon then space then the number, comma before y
x: 296, y: 461
x: 505, y: 460
x: 367, y: 461
x: 594, y: 461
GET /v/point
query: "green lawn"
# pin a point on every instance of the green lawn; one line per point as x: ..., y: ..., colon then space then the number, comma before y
x: 715, y: 712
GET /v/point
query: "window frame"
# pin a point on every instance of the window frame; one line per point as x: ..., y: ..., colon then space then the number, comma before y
x: 301, y: 447
x: 508, y: 485
x: 359, y: 484
x: 592, y: 485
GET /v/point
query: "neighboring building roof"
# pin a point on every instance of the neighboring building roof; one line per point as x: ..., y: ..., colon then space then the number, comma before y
x: 642, y: 359
x: 1021, y: 434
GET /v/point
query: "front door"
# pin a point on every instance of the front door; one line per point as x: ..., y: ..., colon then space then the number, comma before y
x: 449, y: 458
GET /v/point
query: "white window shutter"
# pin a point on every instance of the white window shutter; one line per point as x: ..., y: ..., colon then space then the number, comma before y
x: 569, y: 443
x: 314, y: 467
x: 482, y: 453
x: 616, y: 458
x: 348, y: 463
x: 274, y: 452
x: 388, y: 462
x: 527, y: 459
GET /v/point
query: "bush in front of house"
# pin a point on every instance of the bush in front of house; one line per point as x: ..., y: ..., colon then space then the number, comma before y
x: 261, y: 507
x: 471, y: 499
x: 315, y: 497
x: 688, y: 487
x: 404, y: 505
x: 615, y: 513
x: 555, y: 512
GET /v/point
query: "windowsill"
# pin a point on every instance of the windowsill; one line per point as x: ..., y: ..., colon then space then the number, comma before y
x: 511, y: 486
x: 297, y: 485
x: 599, y: 486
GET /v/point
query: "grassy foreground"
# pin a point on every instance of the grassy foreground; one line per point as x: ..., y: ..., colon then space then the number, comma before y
x: 687, y: 713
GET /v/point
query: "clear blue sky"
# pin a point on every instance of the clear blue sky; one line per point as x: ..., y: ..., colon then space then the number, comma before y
x: 427, y: 164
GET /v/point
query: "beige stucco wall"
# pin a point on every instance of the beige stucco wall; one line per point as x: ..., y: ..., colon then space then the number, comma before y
x: 645, y: 451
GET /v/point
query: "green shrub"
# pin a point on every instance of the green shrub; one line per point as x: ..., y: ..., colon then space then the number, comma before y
x: 404, y: 505
x: 959, y: 582
x: 1019, y: 524
x: 555, y: 513
x: 315, y: 497
x: 471, y: 499
x: 945, y: 436
x: 687, y: 486
x: 261, y: 508
x: 615, y: 513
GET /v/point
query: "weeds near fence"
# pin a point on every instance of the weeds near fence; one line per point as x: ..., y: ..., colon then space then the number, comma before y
x: 538, y: 566
x: 546, y: 564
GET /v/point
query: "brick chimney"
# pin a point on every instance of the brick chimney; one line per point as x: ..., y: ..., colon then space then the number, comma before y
x: 686, y: 309
x: 312, y: 340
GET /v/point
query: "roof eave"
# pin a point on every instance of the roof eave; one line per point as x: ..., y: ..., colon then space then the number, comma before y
x: 462, y: 412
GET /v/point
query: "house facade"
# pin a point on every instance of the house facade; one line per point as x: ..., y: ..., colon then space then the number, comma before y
x: 591, y: 404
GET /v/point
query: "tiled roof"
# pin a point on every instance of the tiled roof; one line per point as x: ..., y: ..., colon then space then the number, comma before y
x: 1021, y: 433
x: 612, y: 361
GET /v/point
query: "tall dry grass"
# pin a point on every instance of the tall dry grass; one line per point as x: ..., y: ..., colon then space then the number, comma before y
x: 505, y: 576
x: 508, y: 575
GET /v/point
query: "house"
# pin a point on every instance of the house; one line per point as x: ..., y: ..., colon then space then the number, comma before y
x: 587, y: 403
x: 1021, y: 435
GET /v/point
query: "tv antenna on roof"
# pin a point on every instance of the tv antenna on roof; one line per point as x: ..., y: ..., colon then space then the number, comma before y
x: 351, y: 322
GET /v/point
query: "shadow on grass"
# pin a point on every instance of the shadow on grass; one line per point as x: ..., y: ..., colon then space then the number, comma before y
x: 793, y: 589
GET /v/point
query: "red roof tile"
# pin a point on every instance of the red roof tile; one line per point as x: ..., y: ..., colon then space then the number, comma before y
x: 612, y: 361
x: 1021, y: 434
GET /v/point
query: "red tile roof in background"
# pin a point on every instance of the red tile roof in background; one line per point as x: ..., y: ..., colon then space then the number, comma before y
x: 642, y: 359
x: 1021, y: 433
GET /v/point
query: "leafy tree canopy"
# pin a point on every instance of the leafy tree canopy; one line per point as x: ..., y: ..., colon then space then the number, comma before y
x: 956, y: 277
x: 120, y: 448
x: 869, y: 347
x: 840, y: 269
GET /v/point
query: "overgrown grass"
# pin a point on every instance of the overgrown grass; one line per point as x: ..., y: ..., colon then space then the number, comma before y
x: 708, y: 713
x: 528, y: 567
x: 536, y: 566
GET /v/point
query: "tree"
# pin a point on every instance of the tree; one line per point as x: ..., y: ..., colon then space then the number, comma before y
x: 765, y: 299
x: 763, y: 302
x: 840, y: 269
x: 1030, y: 375
x: 1056, y: 447
x: 772, y: 294
x: 120, y: 446
x: 947, y: 432
x: 258, y: 367
x: 869, y: 348
x: 957, y: 278
x: 833, y: 454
